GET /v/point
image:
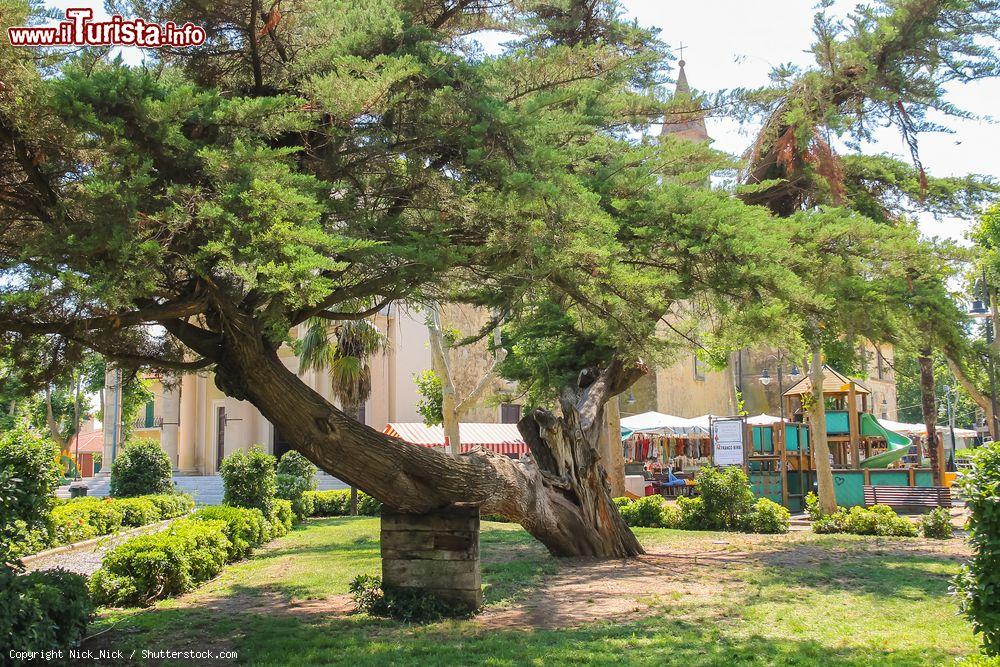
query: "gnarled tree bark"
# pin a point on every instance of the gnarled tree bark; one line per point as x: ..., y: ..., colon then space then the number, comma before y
x: 559, y: 493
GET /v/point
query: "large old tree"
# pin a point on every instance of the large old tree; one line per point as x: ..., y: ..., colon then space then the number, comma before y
x: 321, y: 160
x: 332, y: 158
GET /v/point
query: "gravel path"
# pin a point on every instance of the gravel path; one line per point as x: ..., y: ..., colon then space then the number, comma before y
x: 86, y: 560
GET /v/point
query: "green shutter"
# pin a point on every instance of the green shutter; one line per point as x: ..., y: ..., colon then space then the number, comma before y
x: 149, y: 414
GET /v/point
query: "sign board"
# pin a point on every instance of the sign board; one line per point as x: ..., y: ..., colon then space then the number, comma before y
x: 727, y: 442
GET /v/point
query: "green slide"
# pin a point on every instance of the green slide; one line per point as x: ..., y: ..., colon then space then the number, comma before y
x: 899, y: 445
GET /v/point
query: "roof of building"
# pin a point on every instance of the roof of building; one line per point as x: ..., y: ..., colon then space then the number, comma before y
x: 680, y: 123
x: 501, y: 438
x: 90, y: 443
x: 833, y: 383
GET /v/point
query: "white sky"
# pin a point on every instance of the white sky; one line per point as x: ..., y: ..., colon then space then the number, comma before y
x: 734, y: 43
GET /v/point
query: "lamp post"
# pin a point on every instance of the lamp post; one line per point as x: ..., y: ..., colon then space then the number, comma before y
x: 982, y: 308
x: 765, y: 379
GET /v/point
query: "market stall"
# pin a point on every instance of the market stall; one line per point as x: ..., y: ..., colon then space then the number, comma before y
x: 662, y: 452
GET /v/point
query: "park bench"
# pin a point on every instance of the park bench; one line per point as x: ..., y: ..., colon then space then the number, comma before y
x: 910, y: 497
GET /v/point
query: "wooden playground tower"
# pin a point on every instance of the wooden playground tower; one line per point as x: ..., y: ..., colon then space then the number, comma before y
x: 850, y: 399
x: 780, y: 461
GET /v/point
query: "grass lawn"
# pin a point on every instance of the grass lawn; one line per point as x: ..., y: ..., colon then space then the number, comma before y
x: 698, y: 599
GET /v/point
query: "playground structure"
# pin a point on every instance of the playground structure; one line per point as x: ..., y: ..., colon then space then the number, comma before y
x: 864, y: 453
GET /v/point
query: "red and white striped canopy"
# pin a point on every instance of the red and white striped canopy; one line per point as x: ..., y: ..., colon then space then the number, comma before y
x: 501, y: 438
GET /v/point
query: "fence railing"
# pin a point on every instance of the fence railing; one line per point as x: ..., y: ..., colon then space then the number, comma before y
x: 153, y: 422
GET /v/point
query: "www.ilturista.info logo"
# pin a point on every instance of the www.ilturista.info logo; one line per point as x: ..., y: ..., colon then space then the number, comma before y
x: 79, y: 30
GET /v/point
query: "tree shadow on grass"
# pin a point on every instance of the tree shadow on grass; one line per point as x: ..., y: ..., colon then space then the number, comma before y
x: 887, y: 574
x: 360, y: 640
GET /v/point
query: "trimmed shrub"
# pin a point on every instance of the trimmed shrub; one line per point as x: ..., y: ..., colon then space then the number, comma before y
x: 876, y: 520
x: 282, y: 518
x: 293, y: 463
x: 726, y: 497
x: 293, y: 489
x: 29, y: 475
x: 245, y: 528
x: 329, y: 503
x: 978, y: 583
x: 338, y: 503
x: 768, y: 517
x: 150, y: 567
x: 936, y: 524
x: 170, y: 505
x: 249, y: 479
x: 692, y: 513
x: 41, y: 611
x: 84, y: 518
x: 367, y: 506
x: 138, y: 511
x: 648, y: 512
x: 142, y: 468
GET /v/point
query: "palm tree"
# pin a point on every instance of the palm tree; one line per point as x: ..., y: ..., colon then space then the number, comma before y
x: 343, y: 348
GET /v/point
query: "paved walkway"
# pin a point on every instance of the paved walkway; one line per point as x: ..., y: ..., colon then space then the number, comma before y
x: 86, y: 560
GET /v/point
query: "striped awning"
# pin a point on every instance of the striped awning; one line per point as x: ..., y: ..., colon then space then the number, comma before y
x: 501, y: 438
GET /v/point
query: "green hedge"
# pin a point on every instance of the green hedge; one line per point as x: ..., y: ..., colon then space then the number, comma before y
x: 149, y: 567
x: 29, y: 474
x: 282, y: 517
x: 726, y: 503
x: 84, y: 518
x: 648, y: 512
x: 42, y: 611
x: 146, y: 568
x: 338, y: 503
x: 244, y: 527
x: 875, y: 520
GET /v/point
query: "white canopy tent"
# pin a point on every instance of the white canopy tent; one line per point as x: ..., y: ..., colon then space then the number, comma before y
x: 756, y: 420
x: 764, y: 420
x: 919, y: 430
x: 659, y: 423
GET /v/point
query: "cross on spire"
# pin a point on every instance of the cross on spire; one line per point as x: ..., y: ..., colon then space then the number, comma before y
x: 681, y: 48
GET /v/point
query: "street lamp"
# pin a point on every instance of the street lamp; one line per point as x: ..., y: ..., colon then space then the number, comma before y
x: 982, y: 309
x: 765, y: 379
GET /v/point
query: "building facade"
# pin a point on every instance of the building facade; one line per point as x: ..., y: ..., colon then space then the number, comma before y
x: 198, y: 426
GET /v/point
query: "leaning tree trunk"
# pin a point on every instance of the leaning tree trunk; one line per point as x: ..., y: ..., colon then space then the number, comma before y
x: 821, y: 449
x: 928, y: 404
x: 559, y: 493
